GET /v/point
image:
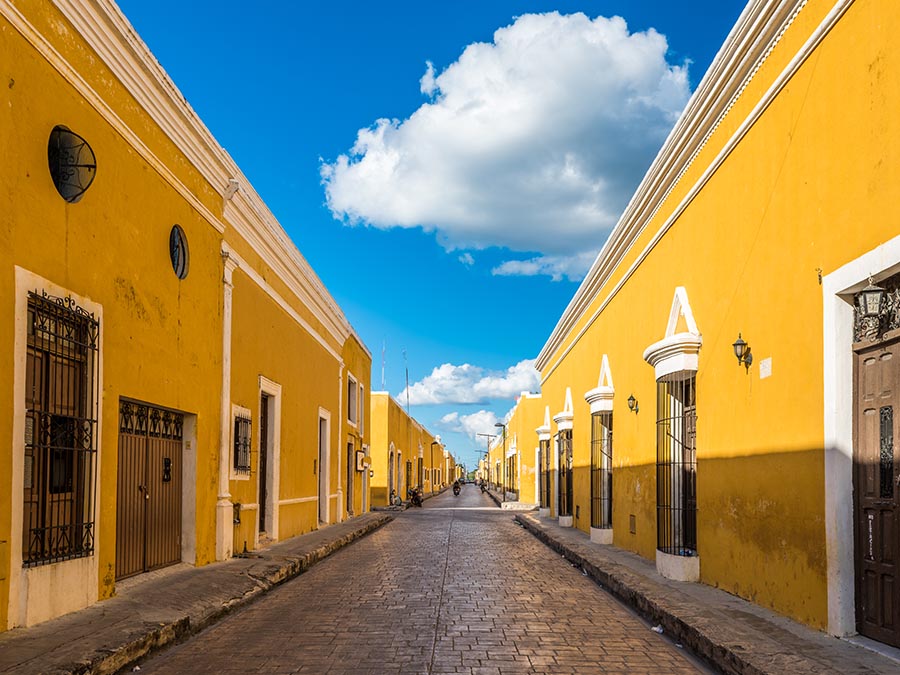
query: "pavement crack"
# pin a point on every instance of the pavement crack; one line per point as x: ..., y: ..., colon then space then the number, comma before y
x: 437, y: 619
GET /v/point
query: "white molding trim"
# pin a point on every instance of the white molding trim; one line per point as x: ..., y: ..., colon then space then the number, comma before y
x: 324, y: 475
x: 740, y: 56
x: 339, y: 450
x: 602, y: 536
x: 297, y: 500
x: 238, y: 411
x: 838, y: 288
x: 224, y: 512
x: 600, y: 398
x: 273, y: 467
x: 678, y: 567
x: 44, y: 592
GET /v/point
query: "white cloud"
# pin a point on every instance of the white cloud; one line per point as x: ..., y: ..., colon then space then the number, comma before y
x: 556, y: 267
x: 534, y: 142
x: 467, y: 259
x: 481, y: 422
x: 471, y: 384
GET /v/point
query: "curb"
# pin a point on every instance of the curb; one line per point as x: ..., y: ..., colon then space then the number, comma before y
x: 717, y: 655
x: 179, y: 630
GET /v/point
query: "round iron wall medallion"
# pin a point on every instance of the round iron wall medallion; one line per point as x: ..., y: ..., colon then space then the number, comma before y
x: 73, y: 166
x: 178, y: 251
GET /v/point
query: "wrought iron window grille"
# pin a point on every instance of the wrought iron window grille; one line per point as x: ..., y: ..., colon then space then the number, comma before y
x: 601, y: 469
x: 566, y: 498
x: 61, y: 425
x: 242, y: 440
x: 676, y: 464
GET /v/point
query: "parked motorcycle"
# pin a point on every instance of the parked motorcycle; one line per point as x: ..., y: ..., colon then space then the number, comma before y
x: 415, y: 496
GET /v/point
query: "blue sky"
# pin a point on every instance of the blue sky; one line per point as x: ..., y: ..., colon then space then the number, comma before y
x: 457, y: 229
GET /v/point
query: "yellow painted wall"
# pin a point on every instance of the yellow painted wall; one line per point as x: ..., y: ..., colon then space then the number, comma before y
x: 391, y: 425
x: 112, y: 247
x: 358, y: 362
x: 812, y: 185
x: 161, y: 337
x: 527, y: 416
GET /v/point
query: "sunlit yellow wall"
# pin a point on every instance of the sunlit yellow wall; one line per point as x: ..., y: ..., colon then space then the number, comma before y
x: 161, y: 338
x: 391, y: 425
x: 812, y: 185
x: 111, y: 247
x: 310, y: 379
x: 358, y: 362
x: 527, y: 416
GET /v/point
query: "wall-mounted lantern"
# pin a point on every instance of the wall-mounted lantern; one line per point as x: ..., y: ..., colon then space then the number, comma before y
x: 742, y: 352
x: 633, y: 404
x: 73, y: 166
x: 870, y: 299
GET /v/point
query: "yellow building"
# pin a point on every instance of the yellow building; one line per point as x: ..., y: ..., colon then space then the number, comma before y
x: 404, y: 454
x: 143, y: 285
x: 713, y: 388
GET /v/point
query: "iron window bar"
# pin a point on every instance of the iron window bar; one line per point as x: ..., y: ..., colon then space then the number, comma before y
x: 601, y: 469
x: 676, y: 465
x: 61, y: 425
x: 242, y: 441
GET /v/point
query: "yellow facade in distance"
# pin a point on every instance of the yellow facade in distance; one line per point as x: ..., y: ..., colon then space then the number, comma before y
x: 201, y: 346
x: 793, y: 186
x: 399, y: 446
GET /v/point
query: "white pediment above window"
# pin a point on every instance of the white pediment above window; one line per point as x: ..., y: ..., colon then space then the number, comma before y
x: 600, y: 398
x: 543, y: 431
x: 679, y: 350
x: 564, y: 419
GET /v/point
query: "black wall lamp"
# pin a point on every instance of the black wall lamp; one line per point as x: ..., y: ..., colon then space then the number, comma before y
x: 633, y: 404
x: 742, y: 352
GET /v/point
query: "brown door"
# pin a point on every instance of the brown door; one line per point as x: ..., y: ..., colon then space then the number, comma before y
x: 876, y: 492
x: 263, y: 459
x: 148, y: 505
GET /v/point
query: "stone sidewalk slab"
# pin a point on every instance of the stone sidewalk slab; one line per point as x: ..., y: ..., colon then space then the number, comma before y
x: 163, y: 607
x: 732, y: 634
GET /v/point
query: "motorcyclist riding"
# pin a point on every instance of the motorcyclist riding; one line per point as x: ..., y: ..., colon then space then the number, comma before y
x: 456, y: 488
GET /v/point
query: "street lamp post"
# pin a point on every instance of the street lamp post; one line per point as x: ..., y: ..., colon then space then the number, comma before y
x: 503, y: 465
x: 487, y: 453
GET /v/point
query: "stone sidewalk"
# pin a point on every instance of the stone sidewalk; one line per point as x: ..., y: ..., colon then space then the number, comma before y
x: 733, y: 635
x: 166, y: 606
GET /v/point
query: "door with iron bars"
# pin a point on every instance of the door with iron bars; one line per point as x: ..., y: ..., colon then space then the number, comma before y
x: 876, y: 492
x: 148, y: 522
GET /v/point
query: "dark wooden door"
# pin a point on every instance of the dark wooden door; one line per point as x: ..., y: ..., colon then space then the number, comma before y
x: 876, y: 492
x: 263, y: 459
x: 148, y: 502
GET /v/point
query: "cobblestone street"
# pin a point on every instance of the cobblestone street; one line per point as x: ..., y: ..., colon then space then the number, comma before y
x: 454, y: 587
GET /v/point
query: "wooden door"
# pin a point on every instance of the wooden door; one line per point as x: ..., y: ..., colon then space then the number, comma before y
x: 876, y: 492
x: 148, y: 502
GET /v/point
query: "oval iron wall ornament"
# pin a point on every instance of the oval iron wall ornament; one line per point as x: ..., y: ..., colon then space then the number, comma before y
x: 178, y: 251
x: 72, y: 163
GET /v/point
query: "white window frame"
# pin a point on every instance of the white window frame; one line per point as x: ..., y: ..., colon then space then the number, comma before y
x: 352, y: 400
